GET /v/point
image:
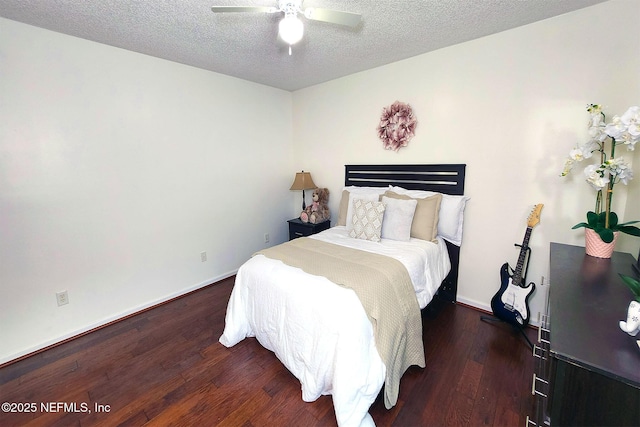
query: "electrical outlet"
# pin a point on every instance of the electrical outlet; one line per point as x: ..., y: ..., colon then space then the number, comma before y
x: 266, y: 237
x: 203, y: 256
x: 62, y: 298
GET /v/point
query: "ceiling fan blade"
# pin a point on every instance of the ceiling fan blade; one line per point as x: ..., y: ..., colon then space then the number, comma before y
x: 333, y: 16
x: 227, y: 9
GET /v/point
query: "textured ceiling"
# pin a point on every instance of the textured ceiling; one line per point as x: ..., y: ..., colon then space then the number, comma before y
x: 245, y: 45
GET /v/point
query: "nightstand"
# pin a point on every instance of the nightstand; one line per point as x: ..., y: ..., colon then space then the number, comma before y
x: 297, y: 228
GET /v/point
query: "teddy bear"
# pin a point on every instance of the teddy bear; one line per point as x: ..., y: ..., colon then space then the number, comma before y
x: 318, y: 211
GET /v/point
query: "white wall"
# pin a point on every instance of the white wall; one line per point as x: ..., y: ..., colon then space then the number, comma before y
x: 116, y: 171
x: 510, y: 106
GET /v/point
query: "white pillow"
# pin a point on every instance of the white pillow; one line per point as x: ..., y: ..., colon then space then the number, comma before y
x: 451, y: 218
x: 398, y: 217
x: 366, y: 190
x: 371, y: 196
x: 451, y: 215
x: 367, y: 220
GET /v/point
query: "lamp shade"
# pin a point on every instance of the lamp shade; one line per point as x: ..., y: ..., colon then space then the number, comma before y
x: 303, y: 181
x: 291, y: 29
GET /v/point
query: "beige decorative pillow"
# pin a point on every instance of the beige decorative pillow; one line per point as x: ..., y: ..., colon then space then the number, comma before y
x: 367, y: 220
x: 425, y: 219
x: 373, y: 197
x: 344, y: 206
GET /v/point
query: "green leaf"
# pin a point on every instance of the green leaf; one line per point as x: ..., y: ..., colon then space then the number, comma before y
x: 613, y: 219
x: 632, y: 284
x: 606, y: 235
x: 629, y: 229
x: 592, y: 219
x: 582, y: 224
x: 602, y: 218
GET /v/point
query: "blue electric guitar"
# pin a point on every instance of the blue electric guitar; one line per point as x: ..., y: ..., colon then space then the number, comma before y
x: 511, y: 303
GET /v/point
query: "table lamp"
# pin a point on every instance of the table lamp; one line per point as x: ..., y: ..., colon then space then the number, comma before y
x: 303, y: 181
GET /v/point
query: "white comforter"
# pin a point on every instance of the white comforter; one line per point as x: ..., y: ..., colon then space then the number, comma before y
x: 320, y: 331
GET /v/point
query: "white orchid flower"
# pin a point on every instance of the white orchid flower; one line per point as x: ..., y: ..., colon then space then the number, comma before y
x: 631, y: 117
x: 616, y: 128
x: 619, y: 169
x: 589, y: 148
x: 577, y: 154
x: 625, y: 175
x: 568, y: 165
x: 596, y: 177
x: 594, y: 109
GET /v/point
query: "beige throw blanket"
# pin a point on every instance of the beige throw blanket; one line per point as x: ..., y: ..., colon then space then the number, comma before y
x: 384, y: 288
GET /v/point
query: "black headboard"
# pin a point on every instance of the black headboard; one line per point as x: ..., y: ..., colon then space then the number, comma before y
x: 446, y: 179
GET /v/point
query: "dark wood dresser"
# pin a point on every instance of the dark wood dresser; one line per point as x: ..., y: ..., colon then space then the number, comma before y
x: 589, y: 369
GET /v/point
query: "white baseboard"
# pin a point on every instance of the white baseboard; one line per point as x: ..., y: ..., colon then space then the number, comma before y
x: 115, y: 317
x: 474, y: 303
x: 481, y: 306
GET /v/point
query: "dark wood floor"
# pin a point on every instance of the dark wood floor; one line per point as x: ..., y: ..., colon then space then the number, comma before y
x: 166, y: 367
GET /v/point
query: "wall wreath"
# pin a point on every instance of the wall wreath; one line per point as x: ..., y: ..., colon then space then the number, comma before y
x: 397, y: 126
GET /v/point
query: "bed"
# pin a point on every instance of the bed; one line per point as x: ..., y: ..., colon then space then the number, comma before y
x: 341, y: 308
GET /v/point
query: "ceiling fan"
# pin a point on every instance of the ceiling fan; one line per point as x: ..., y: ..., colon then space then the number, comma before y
x: 291, y: 28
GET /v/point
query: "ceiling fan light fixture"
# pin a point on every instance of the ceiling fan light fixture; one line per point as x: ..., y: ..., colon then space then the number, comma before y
x: 291, y: 29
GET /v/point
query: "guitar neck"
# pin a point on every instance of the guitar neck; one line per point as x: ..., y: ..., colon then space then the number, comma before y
x: 517, y: 274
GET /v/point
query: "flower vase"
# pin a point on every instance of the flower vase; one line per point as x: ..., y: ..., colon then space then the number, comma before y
x: 594, y: 245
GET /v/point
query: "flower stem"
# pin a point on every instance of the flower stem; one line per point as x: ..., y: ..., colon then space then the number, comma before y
x: 609, y: 197
x: 610, y: 186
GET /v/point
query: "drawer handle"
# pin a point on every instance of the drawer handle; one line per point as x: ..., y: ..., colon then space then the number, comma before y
x: 540, y: 339
x: 530, y: 422
x: 539, y: 352
x: 297, y: 233
x: 543, y: 319
x: 533, y: 386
